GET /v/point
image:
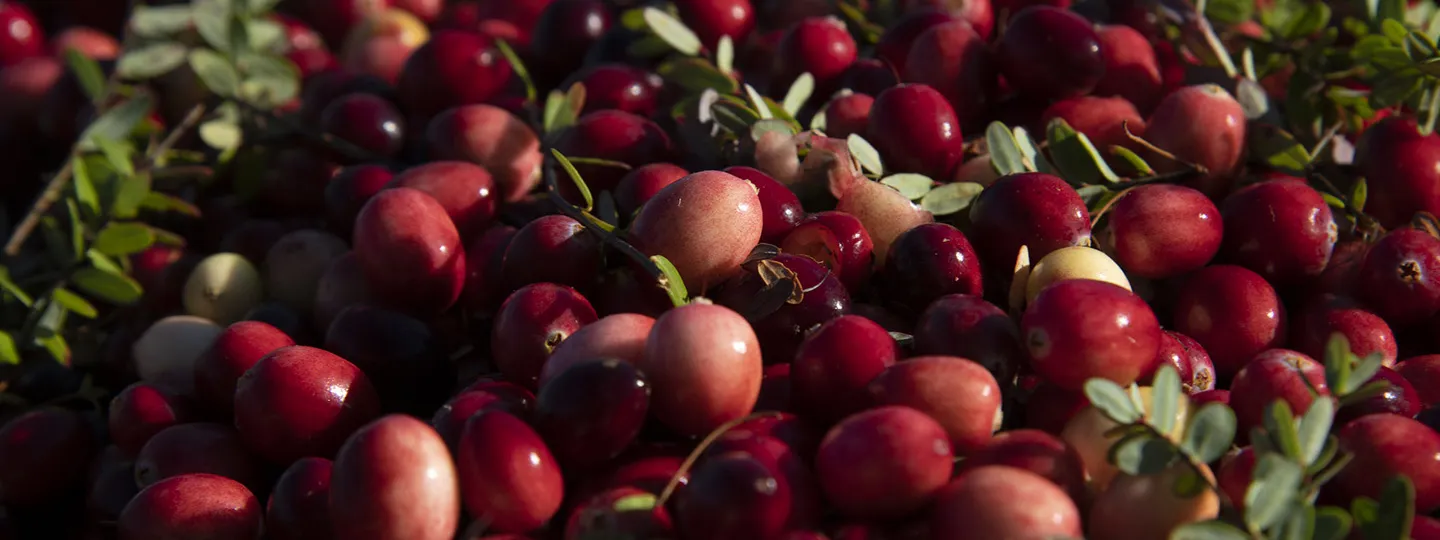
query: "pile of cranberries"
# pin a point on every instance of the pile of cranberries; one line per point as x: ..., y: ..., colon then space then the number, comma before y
x: 436, y: 342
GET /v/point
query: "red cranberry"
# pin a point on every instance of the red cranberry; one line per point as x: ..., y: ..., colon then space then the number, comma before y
x: 234, y: 352
x: 302, y: 401
x: 492, y: 138
x: 1399, y: 164
x: 820, y: 46
x: 848, y: 114
x: 1132, y: 70
x: 1399, y: 398
x: 1188, y: 358
x: 42, y: 453
x: 195, y: 506
x: 1204, y: 125
x: 1078, y: 329
x: 868, y: 76
x: 299, y: 508
x: 1423, y: 372
x: 952, y: 58
x: 1280, y: 229
x: 927, y: 262
x: 453, y: 68
x: 1004, y: 502
x: 611, y: 135
x: 822, y: 298
x: 733, y: 495
x: 779, y: 206
x: 969, y: 327
x: 484, y: 288
x: 1029, y: 209
x: 410, y: 251
x: 1050, y: 53
x: 838, y: 241
x: 513, y: 19
x: 564, y: 35
x: 958, y: 393
x: 711, y: 19
x: 916, y: 130
x: 1328, y: 314
x: 621, y: 87
x: 1035, y: 451
x: 835, y: 363
x: 533, y: 321
x: 620, y: 336
x: 895, y: 44
x: 449, y: 420
x: 140, y: 411
x: 591, y: 411
x: 722, y: 223
x: 200, y: 447
x: 1401, y: 277
x: 642, y: 183
x: 23, y: 37
x: 1162, y: 230
x: 704, y: 362
x: 883, y: 463
x: 395, y: 454
x: 555, y: 249
x: 1385, y: 445
x: 466, y: 191
x: 1103, y: 120
x: 1233, y: 313
x: 398, y: 353
x: 1275, y: 374
x: 367, y: 121
x: 1211, y: 396
x: 785, y: 462
x: 507, y: 472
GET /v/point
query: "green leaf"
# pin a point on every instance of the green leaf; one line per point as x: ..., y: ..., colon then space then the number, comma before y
x: 131, y: 192
x: 266, y: 35
x: 259, y: 7
x: 1230, y: 12
x: 759, y: 129
x: 103, y: 262
x: 117, y: 123
x: 912, y: 186
x: 9, y: 354
x: 1208, y: 530
x: 1332, y: 201
x: 85, y: 192
x: 1397, y: 510
x: 734, y: 117
x: 161, y: 202
x: 88, y: 72
x: 648, y: 46
x: 575, y: 177
x: 1005, y: 153
x: 118, y: 239
x: 518, y: 67
x: 725, y: 54
x: 1142, y: 454
x: 671, y: 281
x: 1274, y: 489
x: 1076, y: 158
x: 216, y: 72
x: 1331, y: 523
x: 1394, y: 30
x: 9, y: 286
x: 1111, y: 399
x: 1210, y: 433
x: 151, y: 60
x: 865, y: 153
x: 56, y: 346
x: 758, y: 103
x: 672, y: 31
x: 1299, y: 522
x: 1132, y: 159
x: 1362, y: 373
x: 633, y: 19
x: 1277, y: 148
x: 75, y: 303
x: 1395, y: 88
x: 1339, y: 361
x: 952, y: 198
x: 77, y: 227
x: 113, y: 287
x: 1189, y: 484
x: 1315, y: 429
x: 1166, y: 398
x: 561, y: 110
x: 1279, y: 423
x: 160, y: 21
x: 696, y: 75
x: 269, y: 80
x: 799, y: 93
x: 118, y: 155
x: 221, y: 134
x: 212, y: 21
x: 1033, y: 159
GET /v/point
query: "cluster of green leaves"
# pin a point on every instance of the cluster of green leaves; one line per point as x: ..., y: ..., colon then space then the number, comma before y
x: 1295, y: 456
x: 1070, y: 155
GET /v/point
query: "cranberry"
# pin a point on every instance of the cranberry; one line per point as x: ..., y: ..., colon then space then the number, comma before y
x: 868, y: 76
x: 492, y: 138
x: 1344, y: 268
x: 234, y: 352
x: 620, y: 87
x: 1326, y: 315
x: 1211, y: 396
x: 23, y: 37
x: 42, y: 453
x: 395, y: 454
x: 821, y: 298
x: 706, y: 224
x: 466, y: 191
x: 200, y: 447
x: 927, y: 262
x: 1401, y: 277
x: 848, y: 114
x: 1233, y: 313
x: 299, y: 508
x: 620, y: 336
x: 883, y: 463
x: 302, y: 401
x: 1078, y: 329
x: 1049, y: 408
x: 1275, y: 374
x: 837, y: 240
x: 779, y: 206
x: 507, y: 473
x: 534, y: 320
x: 1203, y: 125
x: 1399, y: 397
x: 959, y: 394
x: 916, y: 130
x: 820, y: 46
x: 1049, y: 53
x: 592, y: 410
x: 193, y: 505
x: 1399, y: 164
x: 1281, y: 229
x: 449, y: 420
x: 555, y: 249
x: 1191, y: 362
x: 620, y: 510
x: 1132, y: 71
x: 642, y: 184
x: 1103, y: 120
x: 410, y: 251
x: 895, y: 44
x: 835, y: 363
x: 733, y: 495
x: 711, y: 19
x: 140, y: 411
x: 1423, y: 372
x: 564, y: 35
x: 998, y: 501
x: 611, y: 135
x: 514, y: 19
x: 398, y: 353
x: 453, y: 68
x: 1037, y: 210
x: 952, y: 58
x: 1162, y: 230
x: 1385, y: 445
x: 484, y: 288
x: 705, y: 366
x: 1035, y: 451
x: 969, y: 327
x: 348, y: 192
x: 367, y: 121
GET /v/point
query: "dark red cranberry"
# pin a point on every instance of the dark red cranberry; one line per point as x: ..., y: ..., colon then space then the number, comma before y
x: 465, y: 190
x: 1280, y: 229
x: 969, y: 327
x: 711, y: 19
x: 564, y: 34
x: 507, y: 472
x: 884, y: 463
x: 533, y: 321
x: 591, y: 411
x: 928, y: 262
x: 300, y: 402
x: 780, y: 330
x: 1037, y: 210
x: 1079, y: 329
x: 952, y: 58
x: 1344, y: 268
x: 1399, y: 164
x: 200, y: 447
x: 299, y: 507
x: 868, y: 76
x: 624, y: 511
x: 348, y: 192
x: 22, y: 36
x: 295, y: 182
x: 284, y: 318
x: 234, y: 352
x: 253, y: 238
x: 367, y: 121
x: 628, y: 290
x: 1399, y: 397
x: 42, y: 455
x: 410, y: 251
x: 1401, y: 277
x: 1386, y: 445
x: 453, y: 68
x: 1050, y: 407
x: 1217, y: 395
x: 449, y: 420
x: 611, y: 135
x: 1191, y: 362
x: 398, y: 353
x: 733, y: 495
x: 1423, y: 372
x: 916, y: 130
x: 194, y: 505
x: 848, y: 114
x: 140, y: 411
x: 1162, y: 230
x: 820, y: 46
x: 513, y: 19
x: 484, y: 287
x: 1233, y: 313
x: 1132, y: 70
x: 778, y: 205
x: 112, y: 485
x: 555, y: 249
x: 895, y: 43
x: 798, y: 436
x: 1035, y: 451
x: 835, y: 363
x: 775, y: 389
x: 642, y: 183
x: 1050, y: 53
x: 1327, y: 315
x: 838, y: 241
x: 621, y: 87
x: 1275, y: 374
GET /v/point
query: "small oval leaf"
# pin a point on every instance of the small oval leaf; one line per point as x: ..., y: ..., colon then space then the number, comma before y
x: 674, y: 32
x: 865, y: 153
x: 912, y: 186
x: 951, y: 198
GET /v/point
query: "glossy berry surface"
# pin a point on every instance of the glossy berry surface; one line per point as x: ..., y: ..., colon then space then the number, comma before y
x: 782, y: 321
x: 916, y: 130
x: 883, y: 463
x: 1036, y: 210
x: 927, y: 262
x: 592, y: 410
x: 835, y: 363
x: 368, y: 121
x: 1233, y: 313
x: 1079, y: 329
x: 1051, y: 53
x: 1281, y: 229
x: 1401, y: 277
x: 1162, y: 230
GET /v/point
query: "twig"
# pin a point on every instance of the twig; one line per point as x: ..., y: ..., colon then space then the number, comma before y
x: 48, y: 198
x: 610, y: 238
x: 700, y: 449
x: 1125, y: 124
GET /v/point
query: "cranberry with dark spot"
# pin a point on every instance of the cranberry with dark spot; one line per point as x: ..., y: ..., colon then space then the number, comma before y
x: 1191, y: 362
x: 837, y: 240
x: 821, y: 297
